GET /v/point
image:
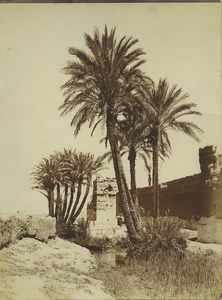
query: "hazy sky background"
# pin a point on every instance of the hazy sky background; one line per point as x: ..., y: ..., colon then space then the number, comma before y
x: 182, y: 42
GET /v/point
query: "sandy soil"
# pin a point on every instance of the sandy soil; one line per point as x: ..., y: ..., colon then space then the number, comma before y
x: 32, y: 270
x: 197, y: 246
x: 58, y: 270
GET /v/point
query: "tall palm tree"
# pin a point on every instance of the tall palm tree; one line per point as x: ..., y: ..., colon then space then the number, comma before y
x: 165, y: 110
x: 100, y: 80
x: 146, y: 156
x: 132, y: 134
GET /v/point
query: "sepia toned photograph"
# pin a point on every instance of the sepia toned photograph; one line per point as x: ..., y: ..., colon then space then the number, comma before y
x: 111, y: 151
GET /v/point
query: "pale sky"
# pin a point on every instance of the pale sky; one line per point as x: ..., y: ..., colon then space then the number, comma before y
x: 182, y: 42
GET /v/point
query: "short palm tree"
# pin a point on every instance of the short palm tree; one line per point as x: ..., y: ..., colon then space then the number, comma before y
x: 85, y: 166
x: 100, y: 80
x: 70, y: 171
x: 45, y: 178
x: 166, y: 111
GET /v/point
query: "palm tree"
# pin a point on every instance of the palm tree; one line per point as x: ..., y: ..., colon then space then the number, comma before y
x: 45, y: 178
x: 85, y: 166
x: 132, y: 135
x: 146, y: 156
x: 68, y: 170
x: 99, y: 82
x: 165, y: 110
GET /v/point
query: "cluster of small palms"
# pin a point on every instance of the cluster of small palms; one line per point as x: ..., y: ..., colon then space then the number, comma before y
x: 65, y: 179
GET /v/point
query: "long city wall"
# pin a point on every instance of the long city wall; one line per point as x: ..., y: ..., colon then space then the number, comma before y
x: 195, y: 196
x: 179, y: 197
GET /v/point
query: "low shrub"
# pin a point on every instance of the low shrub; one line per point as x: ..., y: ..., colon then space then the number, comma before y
x: 13, y: 229
x: 79, y: 233
x: 191, y: 224
x: 158, y: 235
x: 122, y: 242
x: 5, y: 233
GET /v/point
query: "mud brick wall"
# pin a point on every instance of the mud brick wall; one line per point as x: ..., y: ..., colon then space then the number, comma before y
x: 192, y: 196
x: 180, y: 197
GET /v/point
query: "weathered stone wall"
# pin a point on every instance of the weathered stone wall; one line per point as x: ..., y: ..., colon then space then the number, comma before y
x: 210, y: 228
x: 102, y: 210
x: 195, y: 196
x: 211, y: 172
x: 180, y: 197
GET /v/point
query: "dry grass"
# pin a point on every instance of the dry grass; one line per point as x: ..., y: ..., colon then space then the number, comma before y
x: 161, y: 267
x: 196, y: 276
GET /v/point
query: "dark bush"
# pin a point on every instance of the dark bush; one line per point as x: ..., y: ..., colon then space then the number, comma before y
x: 159, y: 235
x: 5, y: 233
x: 122, y: 242
x: 78, y: 231
x: 79, y: 234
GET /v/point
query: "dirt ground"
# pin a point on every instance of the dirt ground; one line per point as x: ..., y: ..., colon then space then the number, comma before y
x: 32, y: 270
x: 58, y: 270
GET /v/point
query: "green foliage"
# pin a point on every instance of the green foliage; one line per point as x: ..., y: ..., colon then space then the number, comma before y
x: 159, y: 235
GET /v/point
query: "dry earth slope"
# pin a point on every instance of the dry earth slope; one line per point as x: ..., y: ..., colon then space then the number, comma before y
x: 31, y: 269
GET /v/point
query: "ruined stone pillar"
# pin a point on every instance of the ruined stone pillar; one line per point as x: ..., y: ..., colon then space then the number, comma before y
x: 210, y: 173
x: 210, y: 229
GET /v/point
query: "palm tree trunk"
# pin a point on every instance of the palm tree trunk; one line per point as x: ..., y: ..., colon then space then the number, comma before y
x: 118, y: 168
x: 133, y: 210
x: 58, y: 198
x: 70, y: 203
x: 149, y: 179
x: 51, y: 202
x: 81, y: 205
x: 79, y: 191
x: 155, y: 178
x: 65, y: 201
x: 132, y: 161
